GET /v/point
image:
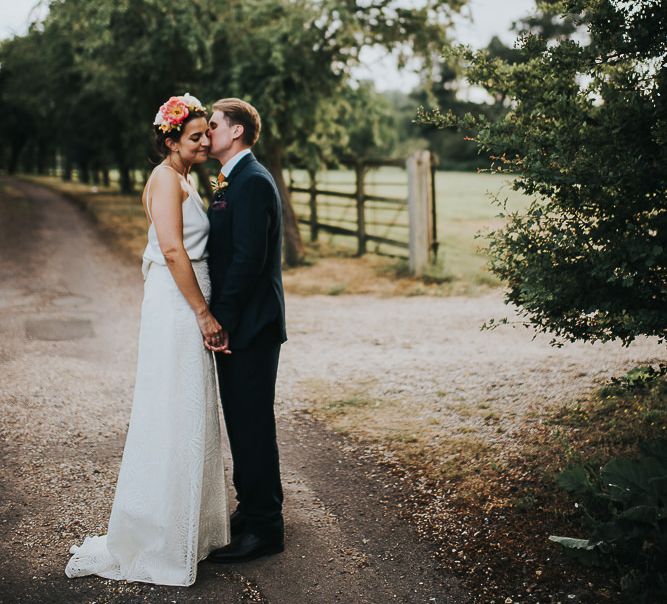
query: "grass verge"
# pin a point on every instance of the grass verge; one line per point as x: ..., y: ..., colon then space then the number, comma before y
x: 329, y: 271
x: 492, y: 506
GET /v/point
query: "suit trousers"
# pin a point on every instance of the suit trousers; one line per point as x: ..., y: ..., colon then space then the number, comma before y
x: 247, y: 381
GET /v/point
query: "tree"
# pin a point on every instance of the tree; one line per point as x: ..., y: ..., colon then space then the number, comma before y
x: 450, y: 145
x: 24, y: 108
x: 127, y: 57
x: 587, y: 135
x: 361, y: 124
x: 292, y: 60
x: 104, y: 68
x: 549, y: 22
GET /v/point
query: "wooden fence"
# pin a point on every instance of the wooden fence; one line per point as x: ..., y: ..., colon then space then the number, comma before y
x: 398, y: 225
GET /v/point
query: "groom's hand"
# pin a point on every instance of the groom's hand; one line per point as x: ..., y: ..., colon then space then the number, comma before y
x: 220, y: 344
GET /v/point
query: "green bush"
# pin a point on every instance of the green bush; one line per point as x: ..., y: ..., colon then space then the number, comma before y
x: 640, y: 377
x: 586, y: 135
x: 625, y: 509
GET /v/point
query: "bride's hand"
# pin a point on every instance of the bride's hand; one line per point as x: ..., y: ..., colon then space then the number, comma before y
x: 215, y: 338
x: 220, y: 344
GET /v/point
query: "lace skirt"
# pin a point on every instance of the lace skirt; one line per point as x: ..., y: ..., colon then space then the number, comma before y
x: 170, y: 508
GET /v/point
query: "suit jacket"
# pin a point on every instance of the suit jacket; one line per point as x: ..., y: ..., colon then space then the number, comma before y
x: 244, y: 246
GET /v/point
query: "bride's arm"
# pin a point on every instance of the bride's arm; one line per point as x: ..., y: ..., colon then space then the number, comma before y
x: 166, y: 209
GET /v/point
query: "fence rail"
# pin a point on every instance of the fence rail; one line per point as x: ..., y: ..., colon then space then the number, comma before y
x: 363, y: 228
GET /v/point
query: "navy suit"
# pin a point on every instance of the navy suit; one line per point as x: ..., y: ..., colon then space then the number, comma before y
x: 247, y: 299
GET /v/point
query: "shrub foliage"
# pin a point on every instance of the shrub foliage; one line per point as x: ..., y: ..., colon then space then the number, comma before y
x: 586, y: 134
x: 625, y: 504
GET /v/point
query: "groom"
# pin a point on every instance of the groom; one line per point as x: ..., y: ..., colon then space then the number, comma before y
x: 244, y: 248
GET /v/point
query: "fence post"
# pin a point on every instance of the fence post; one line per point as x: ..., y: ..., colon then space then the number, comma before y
x: 361, y: 217
x: 435, y: 241
x: 312, y: 202
x: 420, y: 210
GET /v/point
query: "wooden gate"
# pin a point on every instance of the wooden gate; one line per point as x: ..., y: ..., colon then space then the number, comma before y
x: 382, y: 206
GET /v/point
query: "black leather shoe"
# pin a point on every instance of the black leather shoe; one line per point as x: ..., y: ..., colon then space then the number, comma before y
x: 245, y: 547
x: 236, y: 523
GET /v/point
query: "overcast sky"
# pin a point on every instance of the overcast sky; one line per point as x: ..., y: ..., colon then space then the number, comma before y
x: 482, y: 20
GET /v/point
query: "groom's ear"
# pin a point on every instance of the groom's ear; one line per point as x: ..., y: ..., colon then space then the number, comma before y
x: 238, y: 131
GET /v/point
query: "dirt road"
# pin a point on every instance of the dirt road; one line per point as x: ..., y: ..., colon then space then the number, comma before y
x: 69, y: 312
x: 388, y: 369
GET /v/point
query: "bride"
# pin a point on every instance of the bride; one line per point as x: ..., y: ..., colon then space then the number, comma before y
x: 170, y: 507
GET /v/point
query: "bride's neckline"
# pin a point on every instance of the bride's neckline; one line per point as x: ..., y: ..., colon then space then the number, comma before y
x: 182, y: 174
x: 185, y: 178
x: 198, y: 201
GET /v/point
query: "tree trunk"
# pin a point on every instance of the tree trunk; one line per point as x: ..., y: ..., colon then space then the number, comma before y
x: 53, y: 164
x: 84, y: 172
x: 67, y: 169
x: 14, y: 157
x: 28, y: 160
x: 125, y: 180
x: 294, y: 251
x: 41, y: 159
x: 105, y: 176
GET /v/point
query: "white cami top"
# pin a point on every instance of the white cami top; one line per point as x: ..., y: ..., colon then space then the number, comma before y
x: 195, y: 225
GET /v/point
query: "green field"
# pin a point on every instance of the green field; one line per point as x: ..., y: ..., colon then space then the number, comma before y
x: 464, y: 208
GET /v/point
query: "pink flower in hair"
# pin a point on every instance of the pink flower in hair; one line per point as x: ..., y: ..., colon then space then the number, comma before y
x: 172, y: 114
x: 174, y: 111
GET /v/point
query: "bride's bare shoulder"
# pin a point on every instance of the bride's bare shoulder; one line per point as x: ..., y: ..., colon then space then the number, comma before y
x: 162, y: 177
x: 165, y: 174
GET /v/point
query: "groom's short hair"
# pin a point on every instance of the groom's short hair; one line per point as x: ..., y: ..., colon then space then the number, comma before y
x: 239, y: 112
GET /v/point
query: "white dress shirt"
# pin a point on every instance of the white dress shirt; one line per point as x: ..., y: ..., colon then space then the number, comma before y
x: 229, y: 165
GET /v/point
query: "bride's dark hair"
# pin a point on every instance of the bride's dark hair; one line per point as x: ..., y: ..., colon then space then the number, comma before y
x: 174, y: 134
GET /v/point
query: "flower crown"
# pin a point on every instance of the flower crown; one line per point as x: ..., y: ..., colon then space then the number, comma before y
x: 171, y: 115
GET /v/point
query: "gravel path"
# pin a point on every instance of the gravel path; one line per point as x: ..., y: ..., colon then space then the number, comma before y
x: 429, y: 357
x: 69, y: 310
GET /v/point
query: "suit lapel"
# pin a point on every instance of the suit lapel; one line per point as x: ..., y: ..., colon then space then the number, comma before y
x: 241, y: 164
x: 236, y: 171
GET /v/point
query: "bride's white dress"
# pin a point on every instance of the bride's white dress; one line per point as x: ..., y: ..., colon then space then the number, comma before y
x: 170, y: 508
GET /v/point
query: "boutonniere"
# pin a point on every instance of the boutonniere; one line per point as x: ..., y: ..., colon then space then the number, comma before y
x: 219, y: 186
